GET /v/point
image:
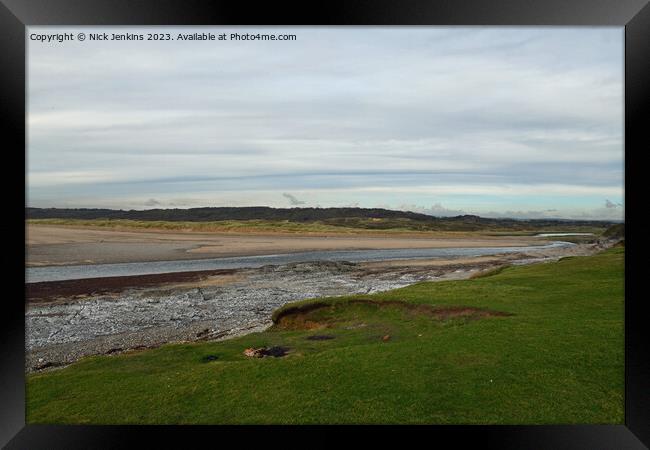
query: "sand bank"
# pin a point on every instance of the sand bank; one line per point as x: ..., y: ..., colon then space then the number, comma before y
x: 55, y: 245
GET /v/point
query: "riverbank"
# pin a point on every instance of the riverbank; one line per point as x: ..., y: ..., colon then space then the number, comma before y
x: 536, y: 344
x: 68, y: 320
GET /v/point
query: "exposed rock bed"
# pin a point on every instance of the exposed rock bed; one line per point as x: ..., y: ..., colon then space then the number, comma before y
x: 62, y: 331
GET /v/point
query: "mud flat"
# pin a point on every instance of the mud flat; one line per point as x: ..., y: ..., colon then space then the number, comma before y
x: 67, y: 320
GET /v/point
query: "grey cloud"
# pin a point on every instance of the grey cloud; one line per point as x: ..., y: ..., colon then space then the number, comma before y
x: 293, y: 200
x: 152, y: 202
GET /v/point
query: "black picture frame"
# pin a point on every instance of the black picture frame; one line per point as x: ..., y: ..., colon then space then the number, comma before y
x: 634, y: 15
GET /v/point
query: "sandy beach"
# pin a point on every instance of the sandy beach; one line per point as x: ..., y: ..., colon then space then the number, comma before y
x: 55, y: 245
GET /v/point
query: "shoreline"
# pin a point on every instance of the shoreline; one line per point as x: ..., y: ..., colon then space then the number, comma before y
x: 139, y: 312
x: 48, y: 245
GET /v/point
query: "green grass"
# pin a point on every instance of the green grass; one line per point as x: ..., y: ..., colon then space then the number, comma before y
x: 559, y: 358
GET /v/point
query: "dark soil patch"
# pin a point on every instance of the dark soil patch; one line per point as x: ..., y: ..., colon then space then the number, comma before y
x: 142, y: 347
x: 276, y: 352
x: 48, y: 291
x: 319, y: 337
x: 298, y: 317
x: 47, y: 365
x: 113, y: 350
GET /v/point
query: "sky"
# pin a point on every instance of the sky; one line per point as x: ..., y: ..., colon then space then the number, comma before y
x: 523, y: 122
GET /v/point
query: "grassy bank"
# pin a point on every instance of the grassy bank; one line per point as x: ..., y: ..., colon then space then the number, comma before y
x: 341, y: 226
x: 526, y: 345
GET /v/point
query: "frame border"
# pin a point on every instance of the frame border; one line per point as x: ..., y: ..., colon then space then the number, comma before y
x: 634, y: 15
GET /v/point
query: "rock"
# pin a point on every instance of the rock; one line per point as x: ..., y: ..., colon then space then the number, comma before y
x: 254, y: 352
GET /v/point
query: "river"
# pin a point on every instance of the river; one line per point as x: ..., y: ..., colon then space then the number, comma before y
x: 73, y: 272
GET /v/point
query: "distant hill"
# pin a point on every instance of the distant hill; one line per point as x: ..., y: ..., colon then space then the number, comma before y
x: 370, y: 218
x: 222, y: 213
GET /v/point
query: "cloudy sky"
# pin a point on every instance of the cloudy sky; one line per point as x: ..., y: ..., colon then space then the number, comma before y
x: 520, y: 122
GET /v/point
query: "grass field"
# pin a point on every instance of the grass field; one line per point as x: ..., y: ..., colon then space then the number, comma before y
x: 538, y: 344
x: 340, y: 226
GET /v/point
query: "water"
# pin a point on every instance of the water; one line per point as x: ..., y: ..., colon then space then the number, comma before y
x: 58, y: 273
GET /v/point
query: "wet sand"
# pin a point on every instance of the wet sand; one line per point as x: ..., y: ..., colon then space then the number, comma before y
x: 61, y: 245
